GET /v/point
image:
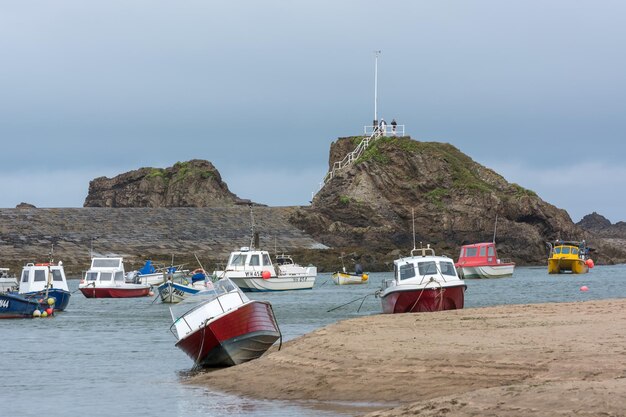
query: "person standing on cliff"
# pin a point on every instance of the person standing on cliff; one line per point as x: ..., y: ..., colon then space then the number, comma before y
x: 394, y: 124
x: 383, y: 127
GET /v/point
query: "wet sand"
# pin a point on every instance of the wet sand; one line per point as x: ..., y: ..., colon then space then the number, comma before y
x: 530, y: 360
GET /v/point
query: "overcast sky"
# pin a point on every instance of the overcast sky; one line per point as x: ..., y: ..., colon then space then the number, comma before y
x: 533, y: 89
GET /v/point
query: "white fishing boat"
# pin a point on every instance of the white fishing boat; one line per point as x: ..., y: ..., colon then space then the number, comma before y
x: 106, y: 279
x: 176, y: 289
x: 8, y: 283
x: 222, y: 327
x: 252, y: 270
x: 422, y: 282
x: 45, y: 280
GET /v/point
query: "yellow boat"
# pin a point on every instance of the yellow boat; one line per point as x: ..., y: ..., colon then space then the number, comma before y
x: 342, y: 278
x: 569, y: 257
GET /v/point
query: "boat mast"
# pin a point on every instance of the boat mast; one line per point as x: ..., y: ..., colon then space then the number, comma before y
x: 413, y: 220
x: 376, y: 53
x: 495, y: 227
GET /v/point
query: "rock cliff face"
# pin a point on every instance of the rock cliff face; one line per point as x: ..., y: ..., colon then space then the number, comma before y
x: 455, y: 200
x: 195, y: 183
x: 601, y: 226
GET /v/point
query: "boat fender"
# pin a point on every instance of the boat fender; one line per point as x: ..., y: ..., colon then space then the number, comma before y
x: 589, y: 263
x: 364, y: 277
x: 266, y: 275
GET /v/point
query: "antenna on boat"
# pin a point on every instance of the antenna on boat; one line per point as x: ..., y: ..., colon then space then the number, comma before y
x: 251, y: 227
x: 413, y: 220
x: 495, y: 227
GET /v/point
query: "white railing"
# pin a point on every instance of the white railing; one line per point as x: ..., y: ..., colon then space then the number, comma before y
x: 371, y: 134
x: 389, y: 130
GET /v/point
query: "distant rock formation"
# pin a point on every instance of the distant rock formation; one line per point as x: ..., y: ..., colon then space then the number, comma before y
x: 455, y: 199
x: 195, y: 183
x: 601, y: 226
x: 25, y: 206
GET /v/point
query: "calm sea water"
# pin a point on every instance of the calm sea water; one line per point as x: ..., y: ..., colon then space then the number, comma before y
x: 106, y: 357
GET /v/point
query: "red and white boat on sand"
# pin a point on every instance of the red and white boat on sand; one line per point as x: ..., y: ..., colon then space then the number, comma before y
x: 106, y: 279
x: 480, y: 260
x: 222, y: 327
x: 422, y: 282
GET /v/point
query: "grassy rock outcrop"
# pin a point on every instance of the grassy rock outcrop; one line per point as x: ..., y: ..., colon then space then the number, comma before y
x: 195, y: 183
x: 455, y: 201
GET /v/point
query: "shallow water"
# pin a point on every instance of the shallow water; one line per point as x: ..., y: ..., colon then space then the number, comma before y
x: 116, y: 357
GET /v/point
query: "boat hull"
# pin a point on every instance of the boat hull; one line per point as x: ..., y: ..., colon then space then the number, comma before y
x: 238, y: 336
x: 61, y: 297
x: 257, y: 284
x: 115, y: 292
x: 13, y: 306
x: 340, y: 278
x: 417, y: 300
x: 173, y: 292
x: 486, y: 271
x: 574, y: 266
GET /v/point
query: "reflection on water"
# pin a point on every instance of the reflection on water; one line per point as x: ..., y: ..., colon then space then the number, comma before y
x: 105, y: 357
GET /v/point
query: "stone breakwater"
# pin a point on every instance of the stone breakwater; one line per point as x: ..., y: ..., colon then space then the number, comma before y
x: 27, y: 235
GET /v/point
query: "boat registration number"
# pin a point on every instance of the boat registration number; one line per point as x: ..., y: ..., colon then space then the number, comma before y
x: 4, y: 303
x: 299, y: 279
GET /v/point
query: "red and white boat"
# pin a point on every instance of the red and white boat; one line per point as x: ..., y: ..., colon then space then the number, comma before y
x: 480, y: 260
x: 422, y: 282
x: 106, y: 279
x: 222, y: 327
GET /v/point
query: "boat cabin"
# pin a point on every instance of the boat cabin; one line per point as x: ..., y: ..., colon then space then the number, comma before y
x: 569, y: 250
x: 106, y: 271
x: 246, y: 259
x: 424, y: 267
x: 36, y: 277
x: 284, y: 260
x: 478, y: 254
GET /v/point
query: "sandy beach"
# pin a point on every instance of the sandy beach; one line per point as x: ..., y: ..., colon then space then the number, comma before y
x: 521, y: 360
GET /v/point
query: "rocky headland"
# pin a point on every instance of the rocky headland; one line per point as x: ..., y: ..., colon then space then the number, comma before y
x: 194, y: 183
x: 453, y: 200
x: 366, y: 210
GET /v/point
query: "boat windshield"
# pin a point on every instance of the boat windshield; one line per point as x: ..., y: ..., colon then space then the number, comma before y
x: 237, y: 259
x: 565, y: 250
x: 91, y: 276
x: 105, y: 263
x: 56, y: 275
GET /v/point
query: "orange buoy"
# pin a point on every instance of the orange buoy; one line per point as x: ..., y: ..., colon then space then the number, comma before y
x: 49, y: 310
x: 589, y: 263
x: 266, y: 275
x: 584, y: 288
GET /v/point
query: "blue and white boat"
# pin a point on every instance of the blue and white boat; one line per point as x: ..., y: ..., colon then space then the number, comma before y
x: 45, y: 280
x: 174, y: 290
x: 14, y: 305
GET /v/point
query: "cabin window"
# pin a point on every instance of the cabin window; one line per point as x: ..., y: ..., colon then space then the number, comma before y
x: 105, y: 276
x: 119, y: 276
x: 565, y: 251
x: 91, y: 276
x: 557, y: 250
x: 491, y: 251
x: 56, y: 275
x: 238, y: 259
x: 427, y: 268
x: 483, y: 251
x: 266, y: 260
x: 574, y: 251
x: 470, y: 252
x: 462, y: 252
x: 25, y: 275
x: 40, y: 275
x: 106, y: 263
x: 447, y: 268
x: 254, y: 260
x: 407, y: 271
